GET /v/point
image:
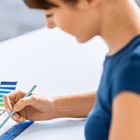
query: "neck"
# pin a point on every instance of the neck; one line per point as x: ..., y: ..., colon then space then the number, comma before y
x: 120, y: 22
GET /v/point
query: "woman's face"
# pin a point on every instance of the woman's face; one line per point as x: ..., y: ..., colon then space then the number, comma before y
x: 81, y: 20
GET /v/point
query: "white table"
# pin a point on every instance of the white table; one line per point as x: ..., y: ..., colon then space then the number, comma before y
x: 58, y: 65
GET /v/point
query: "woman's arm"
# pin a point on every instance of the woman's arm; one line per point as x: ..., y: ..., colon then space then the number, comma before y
x: 76, y: 106
x: 37, y: 107
x: 125, y: 123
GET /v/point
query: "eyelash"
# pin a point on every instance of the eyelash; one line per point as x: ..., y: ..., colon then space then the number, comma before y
x: 49, y: 15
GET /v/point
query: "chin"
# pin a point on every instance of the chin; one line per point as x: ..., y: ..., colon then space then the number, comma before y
x: 83, y: 40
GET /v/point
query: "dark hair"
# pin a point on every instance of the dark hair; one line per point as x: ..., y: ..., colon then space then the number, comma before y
x: 44, y: 4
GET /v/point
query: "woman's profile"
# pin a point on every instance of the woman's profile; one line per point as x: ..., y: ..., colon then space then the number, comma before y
x: 113, y: 111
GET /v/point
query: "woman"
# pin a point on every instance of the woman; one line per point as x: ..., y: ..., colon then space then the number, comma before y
x: 115, y: 107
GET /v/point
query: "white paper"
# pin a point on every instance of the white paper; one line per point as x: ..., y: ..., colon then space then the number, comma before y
x: 58, y: 65
x: 7, y: 125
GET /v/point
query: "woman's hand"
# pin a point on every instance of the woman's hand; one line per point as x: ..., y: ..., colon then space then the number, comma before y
x: 34, y: 107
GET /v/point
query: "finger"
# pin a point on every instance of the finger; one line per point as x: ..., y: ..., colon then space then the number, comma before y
x: 16, y: 95
x: 7, y: 104
x: 18, y: 118
x: 23, y: 113
x: 22, y: 103
x: 12, y: 103
x: 21, y: 119
x: 9, y: 109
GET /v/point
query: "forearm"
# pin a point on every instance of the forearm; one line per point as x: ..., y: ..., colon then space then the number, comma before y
x: 75, y: 106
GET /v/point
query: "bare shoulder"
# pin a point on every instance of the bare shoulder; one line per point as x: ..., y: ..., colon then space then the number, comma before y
x: 125, y: 123
x: 128, y: 98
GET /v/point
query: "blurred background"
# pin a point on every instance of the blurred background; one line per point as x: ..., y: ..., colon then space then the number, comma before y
x: 16, y: 19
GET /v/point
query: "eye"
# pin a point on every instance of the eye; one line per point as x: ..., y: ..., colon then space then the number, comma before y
x: 49, y: 15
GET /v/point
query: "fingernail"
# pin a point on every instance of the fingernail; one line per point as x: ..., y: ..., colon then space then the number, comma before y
x: 14, y: 117
x: 8, y: 111
x: 17, y: 106
x: 20, y: 119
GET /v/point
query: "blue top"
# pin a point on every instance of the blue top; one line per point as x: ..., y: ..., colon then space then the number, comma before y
x: 121, y: 72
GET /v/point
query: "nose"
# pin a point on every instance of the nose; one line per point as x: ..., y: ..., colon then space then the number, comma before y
x: 50, y: 23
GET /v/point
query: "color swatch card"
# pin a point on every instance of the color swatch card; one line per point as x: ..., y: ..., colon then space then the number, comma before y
x: 5, y: 88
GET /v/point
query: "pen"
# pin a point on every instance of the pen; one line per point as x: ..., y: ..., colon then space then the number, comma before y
x: 10, y: 115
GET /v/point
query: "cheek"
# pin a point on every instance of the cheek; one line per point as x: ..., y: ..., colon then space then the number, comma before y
x: 76, y: 24
x: 73, y: 26
x: 67, y: 22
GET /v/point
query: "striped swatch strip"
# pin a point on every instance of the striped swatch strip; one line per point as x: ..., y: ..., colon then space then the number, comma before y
x: 5, y: 88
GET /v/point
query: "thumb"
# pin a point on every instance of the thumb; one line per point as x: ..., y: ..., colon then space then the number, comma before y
x: 23, y: 102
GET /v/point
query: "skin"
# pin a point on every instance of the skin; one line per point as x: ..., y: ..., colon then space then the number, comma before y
x: 117, y: 22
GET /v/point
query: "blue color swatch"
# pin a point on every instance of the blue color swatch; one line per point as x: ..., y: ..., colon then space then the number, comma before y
x: 5, y: 88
